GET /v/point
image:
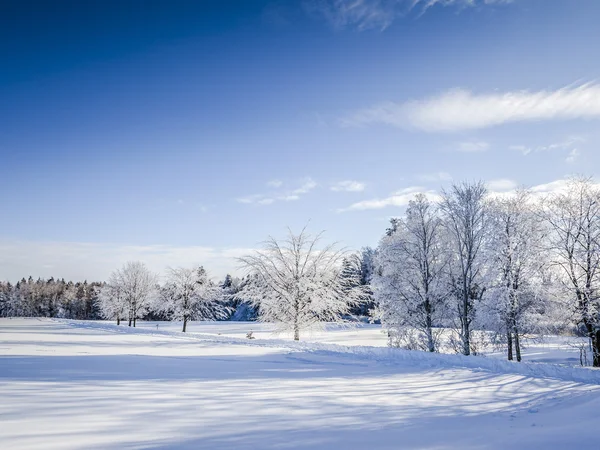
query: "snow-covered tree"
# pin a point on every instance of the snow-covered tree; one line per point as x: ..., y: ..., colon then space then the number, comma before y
x: 367, y: 265
x: 5, y: 294
x: 410, y: 288
x: 297, y: 285
x: 465, y: 219
x: 112, y: 301
x: 129, y: 292
x: 189, y: 294
x: 515, y: 267
x: 573, y: 218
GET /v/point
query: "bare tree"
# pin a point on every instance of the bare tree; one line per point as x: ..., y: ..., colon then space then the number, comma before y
x: 463, y: 208
x: 297, y: 285
x: 573, y: 217
x: 410, y: 287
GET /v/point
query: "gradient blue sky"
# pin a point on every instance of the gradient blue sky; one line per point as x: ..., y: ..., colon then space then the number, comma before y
x: 186, y: 132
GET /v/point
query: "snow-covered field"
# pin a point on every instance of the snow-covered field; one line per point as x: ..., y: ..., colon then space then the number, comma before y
x: 69, y: 384
x: 554, y: 349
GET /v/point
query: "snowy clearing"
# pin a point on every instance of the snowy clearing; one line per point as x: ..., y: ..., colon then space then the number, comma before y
x: 69, y: 384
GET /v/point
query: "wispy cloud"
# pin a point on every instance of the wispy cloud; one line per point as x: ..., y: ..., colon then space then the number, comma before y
x: 569, y: 145
x: 307, y: 185
x: 399, y: 198
x: 348, y: 186
x: 472, y: 146
x: 538, y: 191
x: 254, y: 198
x: 274, y: 183
x: 459, y: 109
x: 497, y: 188
x: 572, y: 156
x: 433, y: 177
x: 378, y: 14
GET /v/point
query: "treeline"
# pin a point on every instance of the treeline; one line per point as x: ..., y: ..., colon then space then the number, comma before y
x: 57, y: 298
x: 50, y: 298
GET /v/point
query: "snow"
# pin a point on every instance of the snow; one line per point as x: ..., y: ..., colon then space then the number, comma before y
x: 69, y: 384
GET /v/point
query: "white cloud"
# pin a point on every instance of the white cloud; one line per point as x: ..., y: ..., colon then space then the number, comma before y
x: 551, y: 187
x: 432, y: 177
x: 502, y: 185
x: 289, y: 198
x: 472, y: 146
x: 460, y: 109
x: 538, y: 191
x: 348, y: 186
x: 399, y: 198
x: 95, y: 261
x: 275, y: 183
x: 378, y: 14
x: 498, y: 188
x: 249, y: 199
x: 567, y: 144
x: 572, y: 156
x: 307, y: 185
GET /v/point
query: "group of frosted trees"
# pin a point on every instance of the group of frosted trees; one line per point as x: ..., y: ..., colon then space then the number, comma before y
x: 473, y: 266
x: 133, y: 292
x: 294, y: 283
x: 49, y: 298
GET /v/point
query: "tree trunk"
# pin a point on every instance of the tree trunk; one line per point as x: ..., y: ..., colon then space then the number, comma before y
x: 118, y: 320
x: 510, y: 344
x: 596, y: 347
x: 466, y: 332
x: 185, y: 319
x: 594, y: 335
x: 130, y: 321
x: 134, y: 319
x: 296, y: 332
x: 430, y: 343
x: 517, y: 344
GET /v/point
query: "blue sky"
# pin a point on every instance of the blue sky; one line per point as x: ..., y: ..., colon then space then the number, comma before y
x: 187, y: 133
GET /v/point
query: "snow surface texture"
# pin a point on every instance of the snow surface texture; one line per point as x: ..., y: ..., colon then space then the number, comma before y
x: 93, y: 385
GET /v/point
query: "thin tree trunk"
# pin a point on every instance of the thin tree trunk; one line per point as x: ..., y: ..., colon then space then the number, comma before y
x: 428, y: 322
x: 510, y: 344
x: 517, y: 343
x: 185, y: 319
x: 596, y: 348
x: 118, y: 320
x: 134, y: 319
x: 430, y: 343
x: 594, y: 336
x: 296, y: 314
x: 466, y: 333
x: 130, y: 321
